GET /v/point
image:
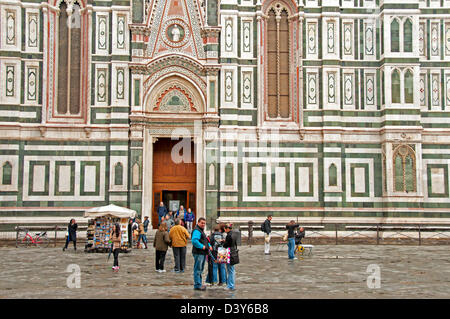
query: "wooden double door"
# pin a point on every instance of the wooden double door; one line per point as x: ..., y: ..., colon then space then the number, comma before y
x: 173, y: 182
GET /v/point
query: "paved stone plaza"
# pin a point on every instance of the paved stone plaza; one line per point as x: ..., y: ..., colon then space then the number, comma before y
x: 331, y: 272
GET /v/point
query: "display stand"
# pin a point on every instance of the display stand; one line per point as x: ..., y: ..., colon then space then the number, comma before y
x: 104, y: 219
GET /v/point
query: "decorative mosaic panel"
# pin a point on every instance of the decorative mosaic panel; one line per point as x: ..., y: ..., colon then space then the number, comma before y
x: 102, y: 76
x: 369, y: 41
x: 447, y: 89
x: 246, y: 37
x: 247, y: 87
x: 447, y: 39
x: 102, y: 33
x: 229, y: 35
x: 435, y: 88
x: 32, y: 83
x: 229, y: 86
x: 435, y: 39
x: 348, y: 39
x: 423, y: 89
x: 422, y: 41
x: 10, y: 77
x: 121, y: 31
x: 331, y: 87
x: 10, y: 27
x: 312, y: 31
x: 120, y: 83
x: 331, y: 37
x: 33, y: 30
x: 312, y: 88
x: 348, y: 89
x: 370, y: 89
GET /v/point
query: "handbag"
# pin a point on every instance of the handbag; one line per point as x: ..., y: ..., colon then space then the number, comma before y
x: 223, y: 255
x: 285, y: 237
x: 234, y: 257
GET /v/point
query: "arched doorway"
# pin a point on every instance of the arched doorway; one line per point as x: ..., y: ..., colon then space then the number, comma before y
x: 174, y: 108
x: 174, y: 182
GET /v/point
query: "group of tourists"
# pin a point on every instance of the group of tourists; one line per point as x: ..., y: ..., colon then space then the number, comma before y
x: 294, y: 236
x: 137, y: 232
x: 186, y: 217
x: 204, y: 248
x: 175, y: 229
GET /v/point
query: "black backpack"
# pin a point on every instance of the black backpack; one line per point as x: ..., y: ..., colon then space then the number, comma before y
x: 263, y: 227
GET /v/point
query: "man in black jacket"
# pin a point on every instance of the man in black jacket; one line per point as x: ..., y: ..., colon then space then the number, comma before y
x: 231, y: 242
x: 267, y: 229
x: 71, y: 234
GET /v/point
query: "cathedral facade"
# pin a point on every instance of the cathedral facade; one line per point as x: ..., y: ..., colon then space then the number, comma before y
x: 291, y: 107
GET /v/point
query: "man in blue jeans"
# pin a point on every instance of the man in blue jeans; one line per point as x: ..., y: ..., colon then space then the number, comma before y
x: 231, y: 242
x: 291, y: 238
x: 200, y: 248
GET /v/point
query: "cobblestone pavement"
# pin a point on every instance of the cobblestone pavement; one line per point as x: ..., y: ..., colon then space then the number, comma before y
x: 331, y: 272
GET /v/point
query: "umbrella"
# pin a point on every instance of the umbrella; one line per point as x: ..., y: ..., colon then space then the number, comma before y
x: 110, y: 210
x: 110, y: 251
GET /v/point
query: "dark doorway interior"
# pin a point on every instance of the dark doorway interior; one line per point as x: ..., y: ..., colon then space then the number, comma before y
x: 179, y: 196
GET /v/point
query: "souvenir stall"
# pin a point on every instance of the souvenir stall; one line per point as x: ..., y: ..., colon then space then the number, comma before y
x: 104, y: 219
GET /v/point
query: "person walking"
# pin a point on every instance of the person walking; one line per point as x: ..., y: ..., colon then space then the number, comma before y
x: 141, y: 234
x: 116, y: 237
x: 200, y: 248
x: 291, y: 238
x: 231, y: 242
x: 144, y: 236
x: 134, y: 231
x: 161, y: 244
x: 130, y: 233
x: 266, y: 227
x: 189, y: 218
x: 71, y: 234
x: 162, y: 211
x: 179, y: 236
x: 169, y: 222
x: 181, y: 213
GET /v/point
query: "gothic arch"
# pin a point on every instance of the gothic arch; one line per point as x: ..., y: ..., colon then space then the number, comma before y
x: 290, y: 5
x: 404, y: 164
x: 174, y: 94
x: 278, y: 49
x: 66, y: 66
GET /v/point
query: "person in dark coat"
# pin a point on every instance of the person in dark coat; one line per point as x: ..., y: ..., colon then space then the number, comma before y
x: 161, y: 244
x: 299, y: 235
x: 231, y: 242
x: 210, y: 276
x: 162, y: 211
x: 71, y: 234
x: 130, y: 233
x: 267, y: 229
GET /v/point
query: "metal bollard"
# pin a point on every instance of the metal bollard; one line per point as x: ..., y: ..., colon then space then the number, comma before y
x: 336, y: 229
x: 250, y: 233
x: 378, y: 234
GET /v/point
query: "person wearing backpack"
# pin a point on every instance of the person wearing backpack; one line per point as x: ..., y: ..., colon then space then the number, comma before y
x: 266, y: 228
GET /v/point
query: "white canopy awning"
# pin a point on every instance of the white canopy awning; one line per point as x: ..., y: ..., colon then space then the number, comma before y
x: 110, y: 210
